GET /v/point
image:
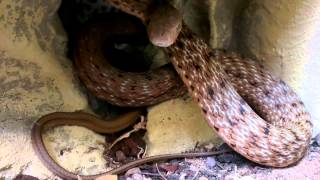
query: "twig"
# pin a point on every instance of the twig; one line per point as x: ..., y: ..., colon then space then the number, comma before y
x: 137, y: 127
x: 140, y: 153
x: 194, y: 177
x: 160, y: 172
x: 150, y: 174
x: 145, y: 151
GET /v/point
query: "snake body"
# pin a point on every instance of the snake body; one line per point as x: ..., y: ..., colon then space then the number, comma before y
x: 274, y: 131
x: 92, y: 122
x: 279, y: 140
x: 114, y: 85
x: 223, y: 84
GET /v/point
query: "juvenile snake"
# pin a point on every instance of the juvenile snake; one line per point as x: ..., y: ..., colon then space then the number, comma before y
x: 92, y: 122
x: 223, y: 84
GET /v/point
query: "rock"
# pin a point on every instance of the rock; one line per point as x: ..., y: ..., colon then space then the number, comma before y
x: 82, y: 149
x: 170, y: 168
x: 177, y: 126
x: 120, y: 156
x: 36, y: 79
x: 210, y: 162
x: 137, y: 177
x: 317, y: 139
x: 133, y: 171
x: 182, y: 176
x: 203, y: 178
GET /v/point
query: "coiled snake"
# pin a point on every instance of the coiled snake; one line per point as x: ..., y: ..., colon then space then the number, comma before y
x: 223, y: 84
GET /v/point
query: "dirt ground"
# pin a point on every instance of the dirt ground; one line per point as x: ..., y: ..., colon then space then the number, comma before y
x: 225, y: 166
x: 228, y: 166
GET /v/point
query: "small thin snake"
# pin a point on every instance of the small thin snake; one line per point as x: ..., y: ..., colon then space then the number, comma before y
x: 222, y: 83
x: 94, y: 123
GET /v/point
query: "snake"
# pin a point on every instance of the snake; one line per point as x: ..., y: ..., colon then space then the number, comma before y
x: 256, y: 113
x: 95, y: 123
x: 118, y: 87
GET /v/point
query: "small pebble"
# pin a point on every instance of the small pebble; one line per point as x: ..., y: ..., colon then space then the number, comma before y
x: 121, y: 157
x: 317, y: 139
x: 209, y: 146
x: 169, y: 167
x: 137, y: 177
x: 133, y: 171
x: 211, y: 162
x: 183, y: 176
x: 203, y: 178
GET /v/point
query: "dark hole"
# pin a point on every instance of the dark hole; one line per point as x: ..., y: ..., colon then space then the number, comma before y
x: 126, y: 51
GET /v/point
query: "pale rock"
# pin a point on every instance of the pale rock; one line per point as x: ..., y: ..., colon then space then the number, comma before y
x: 76, y: 149
x: 36, y: 79
x: 175, y: 126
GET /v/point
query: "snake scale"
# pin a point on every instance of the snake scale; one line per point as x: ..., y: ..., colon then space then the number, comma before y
x: 275, y: 130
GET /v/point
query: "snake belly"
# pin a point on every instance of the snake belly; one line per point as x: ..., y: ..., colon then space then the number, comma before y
x: 275, y: 132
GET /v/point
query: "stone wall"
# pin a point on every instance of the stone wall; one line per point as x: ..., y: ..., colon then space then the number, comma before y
x: 36, y: 78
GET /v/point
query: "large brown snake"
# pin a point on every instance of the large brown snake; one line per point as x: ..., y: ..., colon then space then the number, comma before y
x: 109, y: 83
x: 222, y: 84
